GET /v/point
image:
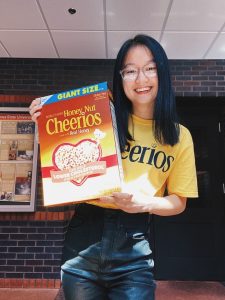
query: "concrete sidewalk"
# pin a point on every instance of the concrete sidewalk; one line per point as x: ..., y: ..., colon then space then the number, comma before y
x: 166, y: 290
x: 190, y: 290
x: 28, y: 294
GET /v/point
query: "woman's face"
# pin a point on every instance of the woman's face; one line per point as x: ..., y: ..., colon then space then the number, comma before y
x: 143, y: 89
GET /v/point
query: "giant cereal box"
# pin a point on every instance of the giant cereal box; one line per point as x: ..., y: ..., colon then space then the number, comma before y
x: 80, y: 158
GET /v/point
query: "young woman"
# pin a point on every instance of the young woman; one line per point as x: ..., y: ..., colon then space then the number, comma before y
x: 107, y: 253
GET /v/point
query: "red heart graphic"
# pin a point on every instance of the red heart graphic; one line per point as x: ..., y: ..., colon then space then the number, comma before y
x: 68, y: 156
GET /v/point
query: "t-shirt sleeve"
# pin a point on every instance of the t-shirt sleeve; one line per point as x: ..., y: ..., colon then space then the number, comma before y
x: 182, y: 179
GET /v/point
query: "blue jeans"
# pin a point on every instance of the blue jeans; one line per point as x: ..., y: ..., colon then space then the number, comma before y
x: 107, y: 256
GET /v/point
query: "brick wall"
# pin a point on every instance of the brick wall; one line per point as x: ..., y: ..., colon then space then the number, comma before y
x: 31, y: 243
x: 198, y: 78
x: 47, y: 76
x: 191, y: 78
x: 31, y: 249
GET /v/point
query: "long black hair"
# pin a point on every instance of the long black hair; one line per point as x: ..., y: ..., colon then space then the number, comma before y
x: 166, y: 128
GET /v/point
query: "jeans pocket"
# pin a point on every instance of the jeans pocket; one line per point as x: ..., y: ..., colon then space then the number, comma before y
x: 133, y: 243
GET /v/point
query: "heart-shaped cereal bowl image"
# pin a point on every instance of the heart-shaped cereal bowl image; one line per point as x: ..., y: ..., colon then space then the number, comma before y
x: 68, y: 156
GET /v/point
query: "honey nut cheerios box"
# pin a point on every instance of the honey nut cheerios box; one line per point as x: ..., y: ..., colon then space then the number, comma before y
x: 79, y: 151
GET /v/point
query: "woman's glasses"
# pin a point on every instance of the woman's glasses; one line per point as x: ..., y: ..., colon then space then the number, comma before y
x: 132, y: 73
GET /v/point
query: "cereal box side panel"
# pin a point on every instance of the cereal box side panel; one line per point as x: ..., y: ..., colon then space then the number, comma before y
x: 116, y: 139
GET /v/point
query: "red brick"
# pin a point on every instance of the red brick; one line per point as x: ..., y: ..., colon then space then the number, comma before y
x: 2, y: 282
x: 61, y: 216
x: 44, y: 283
x: 7, y: 283
x: 55, y: 216
x: 57, y: 283
x: 43, y: 215
x: 26, y: 283
x: 37, y: 215
x: 32, y: 283
x: 51, y: 283
x: 38, y: 283
x: 19, y: 283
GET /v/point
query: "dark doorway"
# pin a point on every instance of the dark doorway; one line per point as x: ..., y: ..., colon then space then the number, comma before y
x: 191, y: 246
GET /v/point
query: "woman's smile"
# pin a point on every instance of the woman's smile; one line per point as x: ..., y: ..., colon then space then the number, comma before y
x: 143, y: 90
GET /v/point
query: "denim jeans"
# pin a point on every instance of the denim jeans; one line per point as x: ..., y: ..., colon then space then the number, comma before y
x: 107, y: 256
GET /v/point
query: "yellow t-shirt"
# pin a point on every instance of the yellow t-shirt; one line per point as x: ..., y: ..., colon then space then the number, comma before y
x: 150, y: 167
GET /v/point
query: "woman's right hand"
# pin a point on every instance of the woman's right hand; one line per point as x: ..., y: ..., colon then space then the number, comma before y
x: 35, y: 109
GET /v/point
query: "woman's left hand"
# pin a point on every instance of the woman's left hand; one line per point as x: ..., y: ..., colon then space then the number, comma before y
x: 139, y: 202
x: 127, y: 202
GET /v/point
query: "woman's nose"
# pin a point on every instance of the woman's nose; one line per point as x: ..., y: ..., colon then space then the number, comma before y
x: 141, y: 76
